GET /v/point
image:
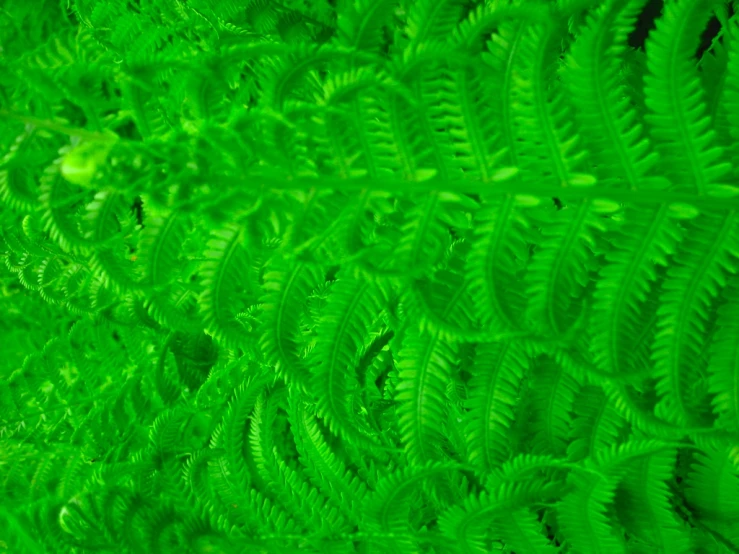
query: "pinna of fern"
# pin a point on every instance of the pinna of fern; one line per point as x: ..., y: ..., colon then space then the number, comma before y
x: 300, y: 283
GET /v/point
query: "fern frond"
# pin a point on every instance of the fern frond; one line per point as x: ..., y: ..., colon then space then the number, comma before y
x: 596, y: 425
x: 425, y: 366
x: 497, y: 371
x: 677, y: 120
x: 643, y: 504
x: 286, y: 287
x: 723, y: 366
x: 584, y: 514
x: 351, y: 310
x: 692, y: 284
x: 326, y: 470
x: 712, y: 484
x: 467, y: 525
x: 553, y: 394
x: 387, y: 508
x: 227, y: 259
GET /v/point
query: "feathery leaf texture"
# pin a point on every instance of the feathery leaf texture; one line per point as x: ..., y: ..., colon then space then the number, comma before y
x: 369, y: 276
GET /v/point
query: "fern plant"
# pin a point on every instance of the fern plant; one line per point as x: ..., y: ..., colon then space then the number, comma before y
x: 434, y: 276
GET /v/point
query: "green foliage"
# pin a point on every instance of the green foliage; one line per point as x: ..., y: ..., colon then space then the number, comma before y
x: 405, y: 276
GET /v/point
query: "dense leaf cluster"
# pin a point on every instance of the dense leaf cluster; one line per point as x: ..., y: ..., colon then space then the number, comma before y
x: 366, y: 276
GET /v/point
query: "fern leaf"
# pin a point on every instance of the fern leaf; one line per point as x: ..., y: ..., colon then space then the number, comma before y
x: 227, y: 259
x: 497, y: 371
x: 466, y: 525
x: 723, y: 366
x: 425, y: 365
x: 643, y: 500
x: 360, y: 23
x: 352, y: 308
x: 597, y: 424
x: 387, y: 508
x: 702, y: 263
x: 286, y: 287
x: 554, y: 391
x: 677, y: 118
x: 712, y: 484
x: 326, y: 470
